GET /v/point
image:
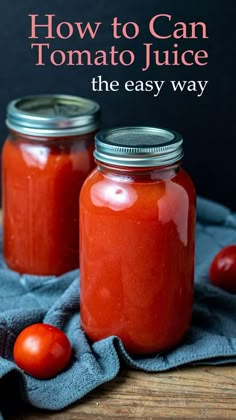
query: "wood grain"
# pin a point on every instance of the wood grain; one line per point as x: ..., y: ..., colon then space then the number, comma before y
x: 187, y: 393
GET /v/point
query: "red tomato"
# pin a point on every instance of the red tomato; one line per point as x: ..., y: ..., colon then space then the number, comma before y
x: 42, y: 350
x: 223, y: 269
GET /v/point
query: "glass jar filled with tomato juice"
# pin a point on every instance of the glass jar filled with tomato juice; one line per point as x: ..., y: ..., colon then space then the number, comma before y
x: 137, y: 223
x: 46, y: 158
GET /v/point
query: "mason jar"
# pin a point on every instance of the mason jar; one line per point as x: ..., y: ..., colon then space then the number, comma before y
x: 46, y: 158
x: 137, y: 222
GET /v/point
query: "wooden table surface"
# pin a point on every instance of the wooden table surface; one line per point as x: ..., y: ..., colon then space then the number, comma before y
x: 188, y: 393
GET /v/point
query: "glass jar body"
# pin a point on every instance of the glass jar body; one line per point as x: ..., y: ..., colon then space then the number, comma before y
x: 137, y: 256
x: 41, y: 181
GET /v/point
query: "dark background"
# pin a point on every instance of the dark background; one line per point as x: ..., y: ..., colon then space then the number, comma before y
x: 206, y: 122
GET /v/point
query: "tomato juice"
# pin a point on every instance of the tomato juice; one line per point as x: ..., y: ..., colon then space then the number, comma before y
x: 46, y: 158
x: 137, y: 249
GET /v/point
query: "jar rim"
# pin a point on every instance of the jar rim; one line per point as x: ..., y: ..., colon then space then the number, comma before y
x: 53, y: 115
x: 138, y: 146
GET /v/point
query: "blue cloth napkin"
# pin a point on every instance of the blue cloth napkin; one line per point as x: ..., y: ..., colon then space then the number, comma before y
x: 25, y: 300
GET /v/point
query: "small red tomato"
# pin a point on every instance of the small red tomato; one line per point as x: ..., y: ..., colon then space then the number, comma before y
x: 223, y: 269
x: 42, y: 350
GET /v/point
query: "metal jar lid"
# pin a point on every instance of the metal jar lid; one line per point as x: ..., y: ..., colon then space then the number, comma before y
x: 53, y: 115
x: 138, y: 147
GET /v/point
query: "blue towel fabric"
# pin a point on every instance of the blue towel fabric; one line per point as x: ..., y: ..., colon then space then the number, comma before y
x: 25, y: 300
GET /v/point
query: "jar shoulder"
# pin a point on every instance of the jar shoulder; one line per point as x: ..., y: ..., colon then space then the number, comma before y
x: 181, y: 177
x: 20, y: 154
x: 117, y: 193
x: 184, y: 179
